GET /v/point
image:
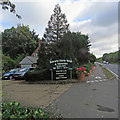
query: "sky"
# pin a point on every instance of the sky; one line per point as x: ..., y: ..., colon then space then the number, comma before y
x: 96, y: 18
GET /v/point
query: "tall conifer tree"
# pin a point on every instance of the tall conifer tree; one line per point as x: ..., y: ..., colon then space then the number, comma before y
x: 57, y: 26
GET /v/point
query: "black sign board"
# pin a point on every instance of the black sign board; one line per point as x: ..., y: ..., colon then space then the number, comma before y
x: 60, y: 68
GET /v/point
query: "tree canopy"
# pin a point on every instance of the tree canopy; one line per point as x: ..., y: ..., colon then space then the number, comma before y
x: 19, y: 40
x: 57, y: 26
x: 7, y: 5
x: 60, y: 43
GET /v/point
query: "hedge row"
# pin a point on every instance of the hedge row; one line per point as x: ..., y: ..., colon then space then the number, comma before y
x: 38, y: 75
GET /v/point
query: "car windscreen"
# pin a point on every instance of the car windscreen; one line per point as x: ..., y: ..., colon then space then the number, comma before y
x: 24, y: 69
x: 12, y: 70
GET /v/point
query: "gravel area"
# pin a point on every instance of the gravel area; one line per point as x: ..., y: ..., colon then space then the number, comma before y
x: 32, y: 95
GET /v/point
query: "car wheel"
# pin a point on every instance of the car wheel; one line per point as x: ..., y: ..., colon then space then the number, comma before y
x: 11, y: 77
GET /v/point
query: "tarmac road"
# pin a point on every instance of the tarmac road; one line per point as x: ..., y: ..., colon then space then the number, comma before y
x: 89, y: 100
x: 114, y: 68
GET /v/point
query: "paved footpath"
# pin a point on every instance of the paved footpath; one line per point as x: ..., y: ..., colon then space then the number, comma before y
x: 96, y: 99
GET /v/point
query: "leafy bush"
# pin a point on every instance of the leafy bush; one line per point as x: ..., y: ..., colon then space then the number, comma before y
x: 88, y: 66
x: 13, y: 110
x: 38, y: 75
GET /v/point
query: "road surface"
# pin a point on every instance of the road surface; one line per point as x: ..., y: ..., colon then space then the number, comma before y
x: 114, y: 68
x: 89, y: 100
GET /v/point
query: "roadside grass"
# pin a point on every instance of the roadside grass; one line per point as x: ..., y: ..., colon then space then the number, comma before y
x: 116, y: 63
x: 107, y: 73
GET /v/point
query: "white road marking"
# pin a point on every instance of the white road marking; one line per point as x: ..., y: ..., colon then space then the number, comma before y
x: 95, y: 81
x: 97, y: 77
x: 88, y: 81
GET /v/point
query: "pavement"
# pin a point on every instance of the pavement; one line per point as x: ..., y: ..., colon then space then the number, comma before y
x: 95, y: 98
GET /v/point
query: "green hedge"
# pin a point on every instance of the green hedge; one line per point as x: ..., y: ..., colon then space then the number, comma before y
x: 38, y: 75
x: 13, y: 111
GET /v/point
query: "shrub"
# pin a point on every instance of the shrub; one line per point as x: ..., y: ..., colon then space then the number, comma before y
x: 38, y: 75
x: 13, y: 111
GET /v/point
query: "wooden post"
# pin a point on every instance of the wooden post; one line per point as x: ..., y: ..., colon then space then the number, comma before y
x: 51, y: 75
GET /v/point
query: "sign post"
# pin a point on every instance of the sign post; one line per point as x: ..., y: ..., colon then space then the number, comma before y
x: 60, y: 68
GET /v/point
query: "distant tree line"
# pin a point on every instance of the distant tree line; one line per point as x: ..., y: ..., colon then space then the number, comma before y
x: 111, y: 57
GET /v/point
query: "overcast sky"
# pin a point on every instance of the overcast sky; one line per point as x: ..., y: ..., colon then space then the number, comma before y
x: 97, y: 18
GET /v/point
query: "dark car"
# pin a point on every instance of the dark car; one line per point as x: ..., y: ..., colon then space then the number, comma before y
x: 9, y: 74
x: 21, y: 73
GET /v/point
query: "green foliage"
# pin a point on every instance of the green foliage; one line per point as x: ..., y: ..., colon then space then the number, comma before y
x: 38, y: 75
x: 81, y: 46
x: 18, y: 59
x: 65, y: 47
x: 92, y: 58
x: 57, y: 27
x: 13, y: 110
x: 44, y: 56
x: 7, y: 63
x: 18, y: 40
x: 99, y: 59
x: 75, y: 46
x: 51, y: 45
x: 71, y: 45
x: 16, y: 44
x: 7, y: 5
x: 111, y: 57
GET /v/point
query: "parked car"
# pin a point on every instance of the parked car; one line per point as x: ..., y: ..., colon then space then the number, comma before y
x: 9, y: 74
x: 21, y: 73
x: 105, y: 62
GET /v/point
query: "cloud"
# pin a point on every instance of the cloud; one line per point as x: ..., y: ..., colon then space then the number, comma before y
x: 102, y: 26
x: 105, y: 45
x: 35, y: 14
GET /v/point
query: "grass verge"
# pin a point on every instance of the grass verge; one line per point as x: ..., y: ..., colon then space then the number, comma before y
x: 107, y: 73
x: 116, y: 63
